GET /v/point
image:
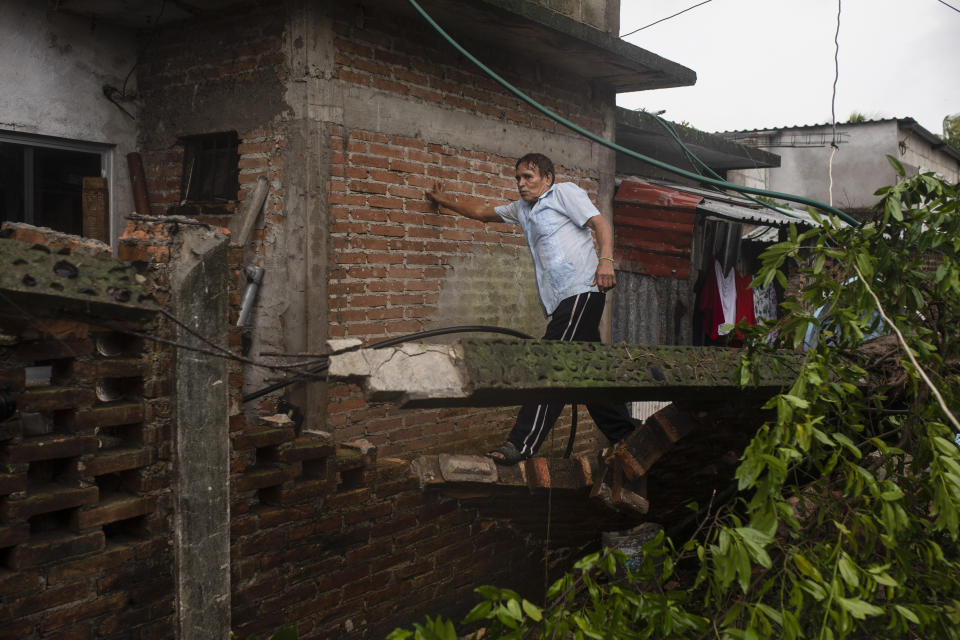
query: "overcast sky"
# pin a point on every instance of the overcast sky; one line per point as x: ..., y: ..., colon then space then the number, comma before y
x: 770, y: 63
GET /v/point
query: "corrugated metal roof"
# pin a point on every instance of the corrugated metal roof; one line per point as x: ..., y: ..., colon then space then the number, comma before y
x: 767, y: 217
x: 814, y: 126
x: 740, y: 209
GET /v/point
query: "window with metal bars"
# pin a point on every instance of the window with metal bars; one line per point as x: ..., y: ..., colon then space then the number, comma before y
x: 210, y: 168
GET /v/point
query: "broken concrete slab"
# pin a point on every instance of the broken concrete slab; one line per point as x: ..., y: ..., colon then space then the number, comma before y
x: 403, y: 373
x: 502, y: 372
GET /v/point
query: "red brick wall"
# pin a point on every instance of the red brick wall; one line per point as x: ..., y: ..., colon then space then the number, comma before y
x: 85, y: 548
x: 342, y: 546
x: 409, y: 59
x: 318, y: 537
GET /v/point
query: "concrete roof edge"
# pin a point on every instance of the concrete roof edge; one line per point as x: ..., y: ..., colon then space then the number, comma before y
x: 935, y: 141
x: 597, y: 38
x: 753, y: 158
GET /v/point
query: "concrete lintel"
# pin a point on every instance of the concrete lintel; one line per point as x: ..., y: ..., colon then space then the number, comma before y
x: 506, y: 372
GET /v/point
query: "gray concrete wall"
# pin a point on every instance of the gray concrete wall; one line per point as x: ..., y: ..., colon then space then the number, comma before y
x: 860, y: 166
x: 916, y: 154
x: 53, y: 70
x: 602, y: 14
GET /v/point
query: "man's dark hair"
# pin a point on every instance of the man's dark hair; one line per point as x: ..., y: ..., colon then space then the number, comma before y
x: 543, y: 164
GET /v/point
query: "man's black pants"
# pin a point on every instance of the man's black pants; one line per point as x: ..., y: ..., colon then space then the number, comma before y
x: 577, y: 319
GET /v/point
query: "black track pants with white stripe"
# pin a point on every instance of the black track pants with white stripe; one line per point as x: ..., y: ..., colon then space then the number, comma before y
x: 577, y: 318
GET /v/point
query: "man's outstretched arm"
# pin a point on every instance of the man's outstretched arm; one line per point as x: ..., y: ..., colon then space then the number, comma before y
x: 466, y: 208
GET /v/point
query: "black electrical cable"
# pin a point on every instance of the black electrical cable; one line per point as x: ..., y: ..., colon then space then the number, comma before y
x: 949, y: 5
x: 573, y: 430
x: 380, y: 345
x: 665, y: 19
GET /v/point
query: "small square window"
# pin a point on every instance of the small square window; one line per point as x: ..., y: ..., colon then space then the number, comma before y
x: 210, y: 168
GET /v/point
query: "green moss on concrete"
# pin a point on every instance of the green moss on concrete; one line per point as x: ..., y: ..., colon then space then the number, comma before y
x: 37, y: 276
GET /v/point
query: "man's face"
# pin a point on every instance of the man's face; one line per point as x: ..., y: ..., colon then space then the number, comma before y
x: 531, y: 184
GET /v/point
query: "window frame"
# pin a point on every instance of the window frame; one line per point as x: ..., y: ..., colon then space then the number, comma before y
x: 105, y: 151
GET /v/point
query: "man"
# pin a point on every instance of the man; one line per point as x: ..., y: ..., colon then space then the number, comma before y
x: 556, y: 220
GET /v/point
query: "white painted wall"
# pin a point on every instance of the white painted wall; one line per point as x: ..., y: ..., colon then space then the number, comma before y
x: 53, y: 70
x: 860, y: 166
x: 919, y: 155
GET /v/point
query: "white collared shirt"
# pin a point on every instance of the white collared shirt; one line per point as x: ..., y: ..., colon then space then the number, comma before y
x: 561, y: 245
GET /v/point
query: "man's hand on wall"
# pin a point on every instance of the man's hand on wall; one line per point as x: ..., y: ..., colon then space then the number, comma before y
x: 438, y: 197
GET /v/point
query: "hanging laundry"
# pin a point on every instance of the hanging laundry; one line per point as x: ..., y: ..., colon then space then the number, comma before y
x: 725, y: 300
x: 727, y: 286
x: 765, y: 307
x: 744, y: 301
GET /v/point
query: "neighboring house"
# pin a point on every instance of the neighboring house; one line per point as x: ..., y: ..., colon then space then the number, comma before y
x: 346, y: 111
x: 860, y: 166
x: 667, y: 224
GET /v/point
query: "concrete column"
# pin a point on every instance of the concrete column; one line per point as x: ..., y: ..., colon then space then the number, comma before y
x: 316, y: 100
x: 606, y: 99
x: 201, y: 445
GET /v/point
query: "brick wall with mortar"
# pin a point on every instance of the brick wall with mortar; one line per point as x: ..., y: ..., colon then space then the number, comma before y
x: 396, y: 265
x: 85, y: 546
x: 318, y: 538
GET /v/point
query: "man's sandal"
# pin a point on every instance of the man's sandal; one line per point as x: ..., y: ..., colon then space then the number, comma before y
x: 506, y: 454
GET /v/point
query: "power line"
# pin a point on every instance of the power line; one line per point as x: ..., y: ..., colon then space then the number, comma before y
x: 668, y: 17
x: 949, y: 5
x: 833, y: 101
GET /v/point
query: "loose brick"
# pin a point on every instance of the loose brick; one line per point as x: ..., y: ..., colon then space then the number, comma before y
x: 108, y: 368
x: 13, y: 583
x: 305, y: 449
x: 302, y: 491
x: 13, y: 534
x: 110, y: 416
x: 261, y: 478
x: 55, y: 398
x: 52, y: 350
x: 49, y: 448
x: 52, y: 548
x: 99, y: 563
x: 115, y: 460
x: 114, y: 510
x: 48, y: 599
x: 257, y: 437
x: 12, y: 482
x: 46, y: 499
x: 83, y: 611
x: 348, y: 498
x: 369, y: 513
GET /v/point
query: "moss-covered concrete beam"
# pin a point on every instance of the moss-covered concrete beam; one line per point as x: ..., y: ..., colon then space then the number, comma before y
x: 37, y: 280
x: 509, y: 372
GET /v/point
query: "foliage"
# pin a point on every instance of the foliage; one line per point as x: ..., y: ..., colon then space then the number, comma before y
x: 845, y: 519
x: 855, y: 117
x: 951, y: 130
